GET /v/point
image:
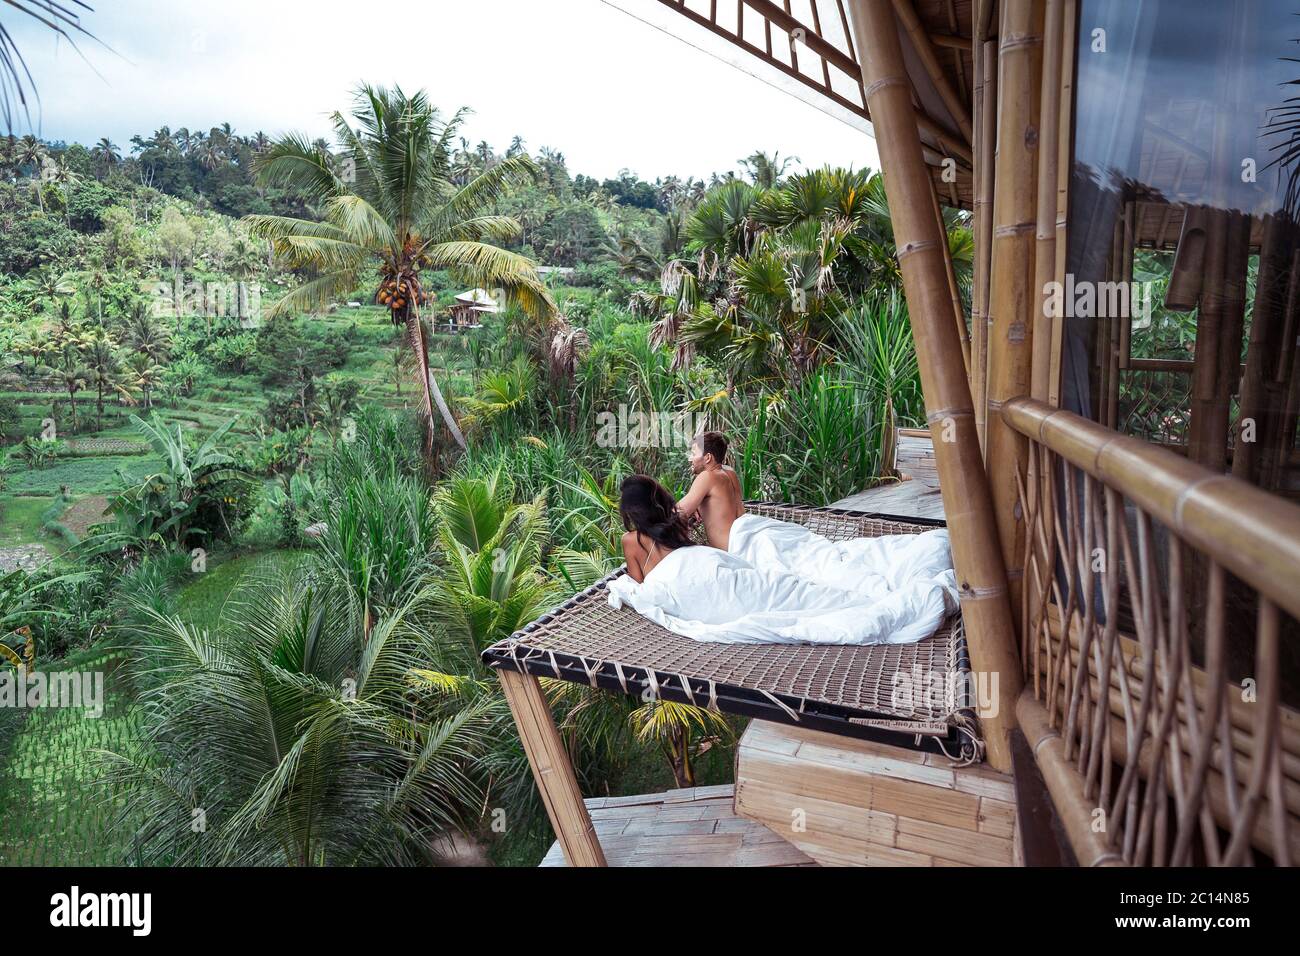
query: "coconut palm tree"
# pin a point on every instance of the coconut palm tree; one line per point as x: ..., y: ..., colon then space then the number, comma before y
x: 145, y: 376
x: 146, y: 334
x: 65, y: 177
x: 297, y: 740
x: 394, y: 208
x: 106, y: 155
x: 103, y: 370
x: 63, y: 18
x: 47, y: 289
x: 68, y: 367
x: 774, y: 268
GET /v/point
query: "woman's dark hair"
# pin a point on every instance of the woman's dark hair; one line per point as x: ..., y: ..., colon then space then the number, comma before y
x: 648, y: 508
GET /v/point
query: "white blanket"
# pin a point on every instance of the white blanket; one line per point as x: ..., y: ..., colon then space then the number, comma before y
x: 712, y: 595
x: 870, y: 567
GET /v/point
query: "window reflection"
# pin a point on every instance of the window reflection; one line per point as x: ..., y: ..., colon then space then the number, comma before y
x: 1185, y: 189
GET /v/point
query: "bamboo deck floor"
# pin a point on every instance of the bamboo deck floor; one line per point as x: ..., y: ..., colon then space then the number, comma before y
x: 692, y: 827
x: 917, y: 496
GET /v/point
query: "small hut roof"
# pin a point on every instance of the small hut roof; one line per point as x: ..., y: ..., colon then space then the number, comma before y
x: 480, y: 300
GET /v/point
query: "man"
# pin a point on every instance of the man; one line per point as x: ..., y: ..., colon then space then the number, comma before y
x: 715, y: 496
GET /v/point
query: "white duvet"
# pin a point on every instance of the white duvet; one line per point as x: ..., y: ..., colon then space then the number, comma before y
x: 781, y: 583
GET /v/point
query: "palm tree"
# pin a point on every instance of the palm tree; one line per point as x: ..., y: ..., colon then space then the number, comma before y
x: 103, y: 368
x: 490, y: 547
x: 765, y: 170
x: 48, y: 288
x: 62, y: 18
x: 65, y: 177
x: 301, y: 742
x: 774, y: 268
x: 674, y: 727
x: 145, y: 376
x: 70, y: 341
x: 402, y: 213
x: 147, y: 335
x: 30, y: 151
x: 106, y: 155
x: 163, y: 140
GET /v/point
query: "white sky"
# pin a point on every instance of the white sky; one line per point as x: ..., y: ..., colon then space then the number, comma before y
x: 577, y: 75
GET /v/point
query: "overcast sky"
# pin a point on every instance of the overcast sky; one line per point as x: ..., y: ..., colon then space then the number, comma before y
x: 608, y: 91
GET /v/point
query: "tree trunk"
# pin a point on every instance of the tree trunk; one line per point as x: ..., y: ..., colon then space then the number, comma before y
x: 679, y: 756
x: 432, y: 393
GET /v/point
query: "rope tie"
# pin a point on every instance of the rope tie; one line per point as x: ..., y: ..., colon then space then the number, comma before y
x: 686, y: 685
x: 622, y: 678
x: 793, y: 715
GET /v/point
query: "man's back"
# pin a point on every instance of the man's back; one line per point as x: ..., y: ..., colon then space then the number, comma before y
x: 715, y: 495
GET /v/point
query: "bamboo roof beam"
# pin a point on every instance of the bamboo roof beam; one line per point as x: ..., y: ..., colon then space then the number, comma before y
x: 930, y: 61
x: 950, y: 41
x: 963, y: 483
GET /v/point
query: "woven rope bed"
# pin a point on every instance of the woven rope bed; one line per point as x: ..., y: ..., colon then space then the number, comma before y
x: 844, y: 690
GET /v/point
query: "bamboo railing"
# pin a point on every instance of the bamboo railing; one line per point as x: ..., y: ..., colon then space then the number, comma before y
x: 1143, y: 572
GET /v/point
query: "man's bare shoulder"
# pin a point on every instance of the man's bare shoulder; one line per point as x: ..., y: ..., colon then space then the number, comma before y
x: 704, y: 480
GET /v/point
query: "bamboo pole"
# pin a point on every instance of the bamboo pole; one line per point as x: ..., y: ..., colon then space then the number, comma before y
x: 930, y: 62
x: 1229, y: 351
x: 1065, y: 126
x: 958, y: 311
x: 1288, y: 366
x: 962, y: 482
x: 1126, y: 277
x: 983, y: 181
x: 1065, y: 784
x: 1013, y: 302
x: 1206, y: 440
x: 1187, y: 277
x: 977, y: 210
x: 552, y: 770
x: 1261, y: 402
x: 1114, y: 327
x: 1045, y: 236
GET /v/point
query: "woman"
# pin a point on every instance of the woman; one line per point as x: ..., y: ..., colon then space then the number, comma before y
x: 654, y: 527
x: 712, y: 595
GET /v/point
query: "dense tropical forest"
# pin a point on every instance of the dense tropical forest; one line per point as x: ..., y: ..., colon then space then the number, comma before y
x: 258, y: 471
